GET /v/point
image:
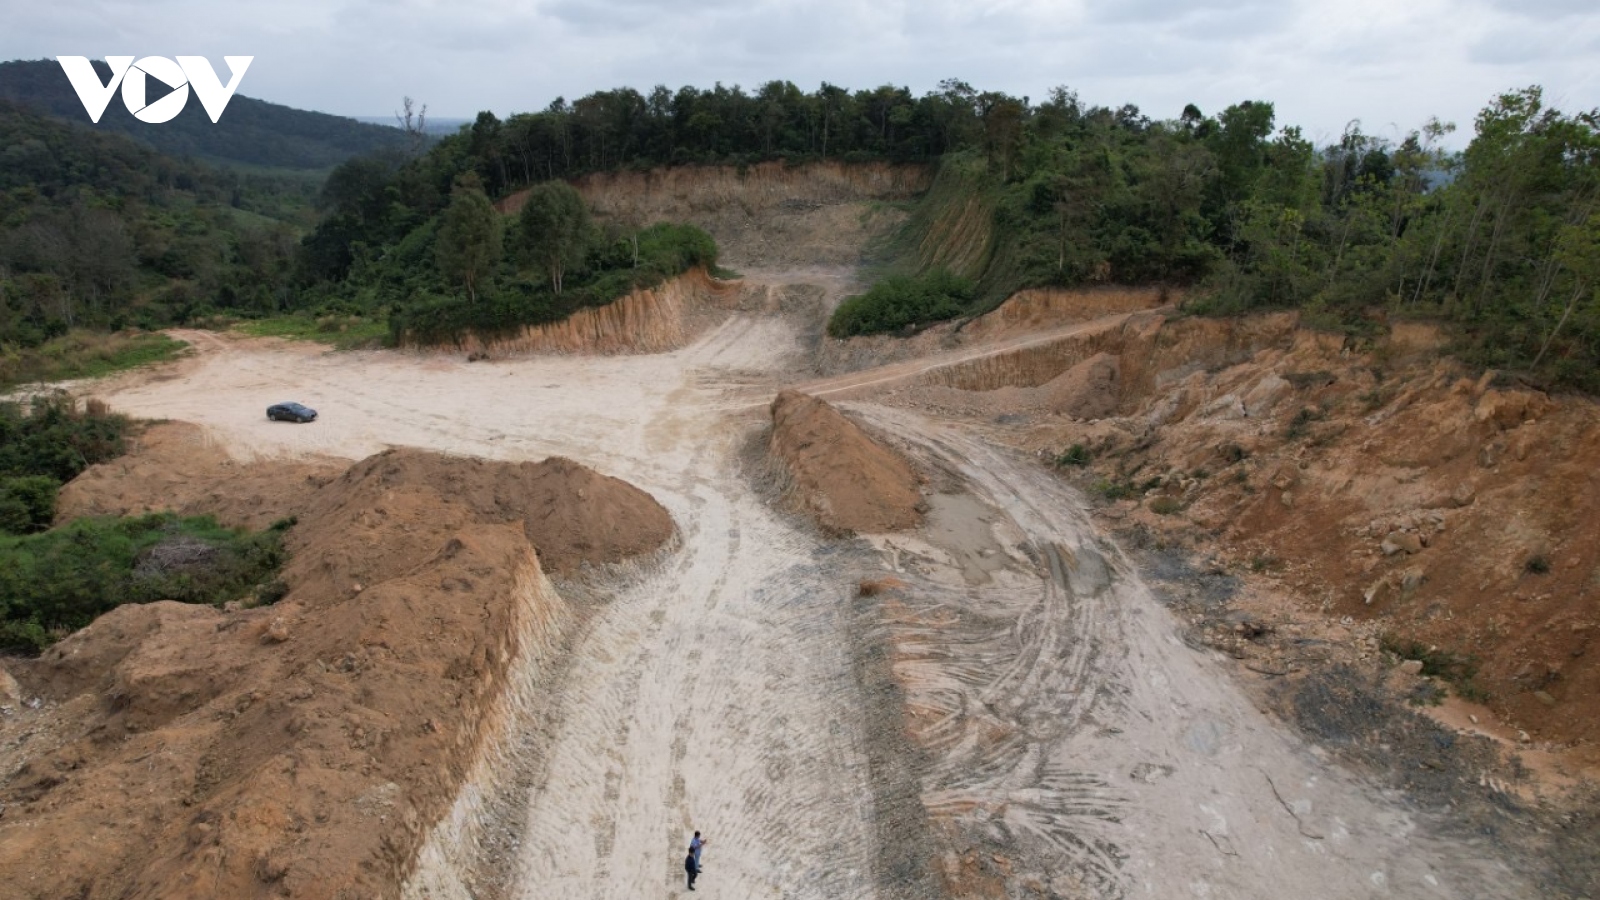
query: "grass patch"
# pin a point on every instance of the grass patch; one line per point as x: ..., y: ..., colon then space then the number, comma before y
x: 1265, y: 563
x: 1076, y: 455
x: 54, y: 583
x: 84, y: 354
x: 1456, y: 669
x: 1300, y: 425
x: 342, y: 332
x: 1166, y: 506
x: 1115, y: 490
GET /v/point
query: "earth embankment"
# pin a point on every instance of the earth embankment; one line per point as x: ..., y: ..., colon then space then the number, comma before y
x: 307, y: 748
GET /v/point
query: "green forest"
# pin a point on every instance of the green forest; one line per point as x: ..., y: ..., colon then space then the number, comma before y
x: 1500, y: 240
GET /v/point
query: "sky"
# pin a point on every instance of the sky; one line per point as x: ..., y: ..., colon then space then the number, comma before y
x: 1391, y: 64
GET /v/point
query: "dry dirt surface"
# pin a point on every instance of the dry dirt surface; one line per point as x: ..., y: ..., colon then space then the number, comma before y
x: 993, y: 704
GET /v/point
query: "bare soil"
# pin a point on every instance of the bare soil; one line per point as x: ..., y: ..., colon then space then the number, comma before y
x: 838, y: 475
x: 1036, y: 692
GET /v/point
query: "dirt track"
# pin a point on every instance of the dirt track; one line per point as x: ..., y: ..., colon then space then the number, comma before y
x: 1070, y: 743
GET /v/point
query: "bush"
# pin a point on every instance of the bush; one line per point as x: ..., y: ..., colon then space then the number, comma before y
x: 1076, y: 455
x: 59, y: 581
x: 51, y: 436
x: 27, y: 503
x: 900, y: 302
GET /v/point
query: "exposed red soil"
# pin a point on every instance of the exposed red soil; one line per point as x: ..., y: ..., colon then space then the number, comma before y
x: 301, y: 749
x: 838, y: 475
x: 1383, y: 484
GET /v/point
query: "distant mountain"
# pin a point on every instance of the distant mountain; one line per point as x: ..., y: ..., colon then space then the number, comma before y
x: 251, y: 131
x: 439, y: 126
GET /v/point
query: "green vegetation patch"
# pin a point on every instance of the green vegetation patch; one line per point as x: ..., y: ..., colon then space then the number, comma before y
x: 902, y: 302
x: 345, y: 332
x: 44, y: 444
x: 608, y: 272
x: 56, y: 582
x: 81, y: 353
x: 1457, y: 669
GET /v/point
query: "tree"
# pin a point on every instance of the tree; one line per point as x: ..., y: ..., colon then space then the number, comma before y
x: 469, y: 242
x: 554, y: 231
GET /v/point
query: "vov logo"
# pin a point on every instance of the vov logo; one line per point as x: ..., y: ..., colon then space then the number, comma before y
x: 188, y: 71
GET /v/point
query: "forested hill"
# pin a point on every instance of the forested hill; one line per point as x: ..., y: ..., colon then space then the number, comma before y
x: 250, y: 131
x: 100, y: 230
x: 1501, y: 241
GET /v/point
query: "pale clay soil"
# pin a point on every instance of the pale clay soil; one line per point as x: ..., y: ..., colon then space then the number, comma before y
x: 1071, y: 744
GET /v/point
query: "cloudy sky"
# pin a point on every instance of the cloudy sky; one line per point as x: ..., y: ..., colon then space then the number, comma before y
x: 1389, y: 63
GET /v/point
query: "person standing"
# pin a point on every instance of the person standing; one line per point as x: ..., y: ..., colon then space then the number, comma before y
x: 691, y: 866
x: 695, y: 846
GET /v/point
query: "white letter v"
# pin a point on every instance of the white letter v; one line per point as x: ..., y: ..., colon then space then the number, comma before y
x: 86, y: 81
x: 213, y: 96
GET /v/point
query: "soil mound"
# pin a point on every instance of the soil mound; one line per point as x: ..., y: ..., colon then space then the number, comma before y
x: 836, y: 473
x: 173, y: 466
x: 572, y: 514
x: 306, y: 748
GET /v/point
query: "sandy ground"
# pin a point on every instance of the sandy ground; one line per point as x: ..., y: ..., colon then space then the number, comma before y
x: 1067, y: 743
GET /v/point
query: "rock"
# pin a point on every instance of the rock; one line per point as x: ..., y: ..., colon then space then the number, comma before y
x: 276, y: 632
x: 1463, y: 494
x: 1545, y: 698
x: 1489, y: 454
x: 1287, y: 499
x: 1508, y: 409
x: 1411, y: 667
x: 1412, y: 579
x: 1226, y: 407
x: 10, y: 691
x: 1401, y: 540
x: 1260, y: 400
x: 1378, y: 591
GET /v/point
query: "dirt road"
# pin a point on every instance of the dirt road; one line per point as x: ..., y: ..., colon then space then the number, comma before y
x: 1072, y: 746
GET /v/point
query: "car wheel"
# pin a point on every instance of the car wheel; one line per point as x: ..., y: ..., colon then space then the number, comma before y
x: 272, y: 417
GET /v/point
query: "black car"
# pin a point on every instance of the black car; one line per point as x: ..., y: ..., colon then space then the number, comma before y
x: 290, y: 412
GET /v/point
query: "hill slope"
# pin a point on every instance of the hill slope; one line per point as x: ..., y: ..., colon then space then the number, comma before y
x: 251, y: 131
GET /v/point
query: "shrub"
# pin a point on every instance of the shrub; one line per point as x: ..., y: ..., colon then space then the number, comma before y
x: 1537, y: 565
x: 899, y: 302
x: 1076, y: 455
x: 27, y: 503
x: 60, y: 580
